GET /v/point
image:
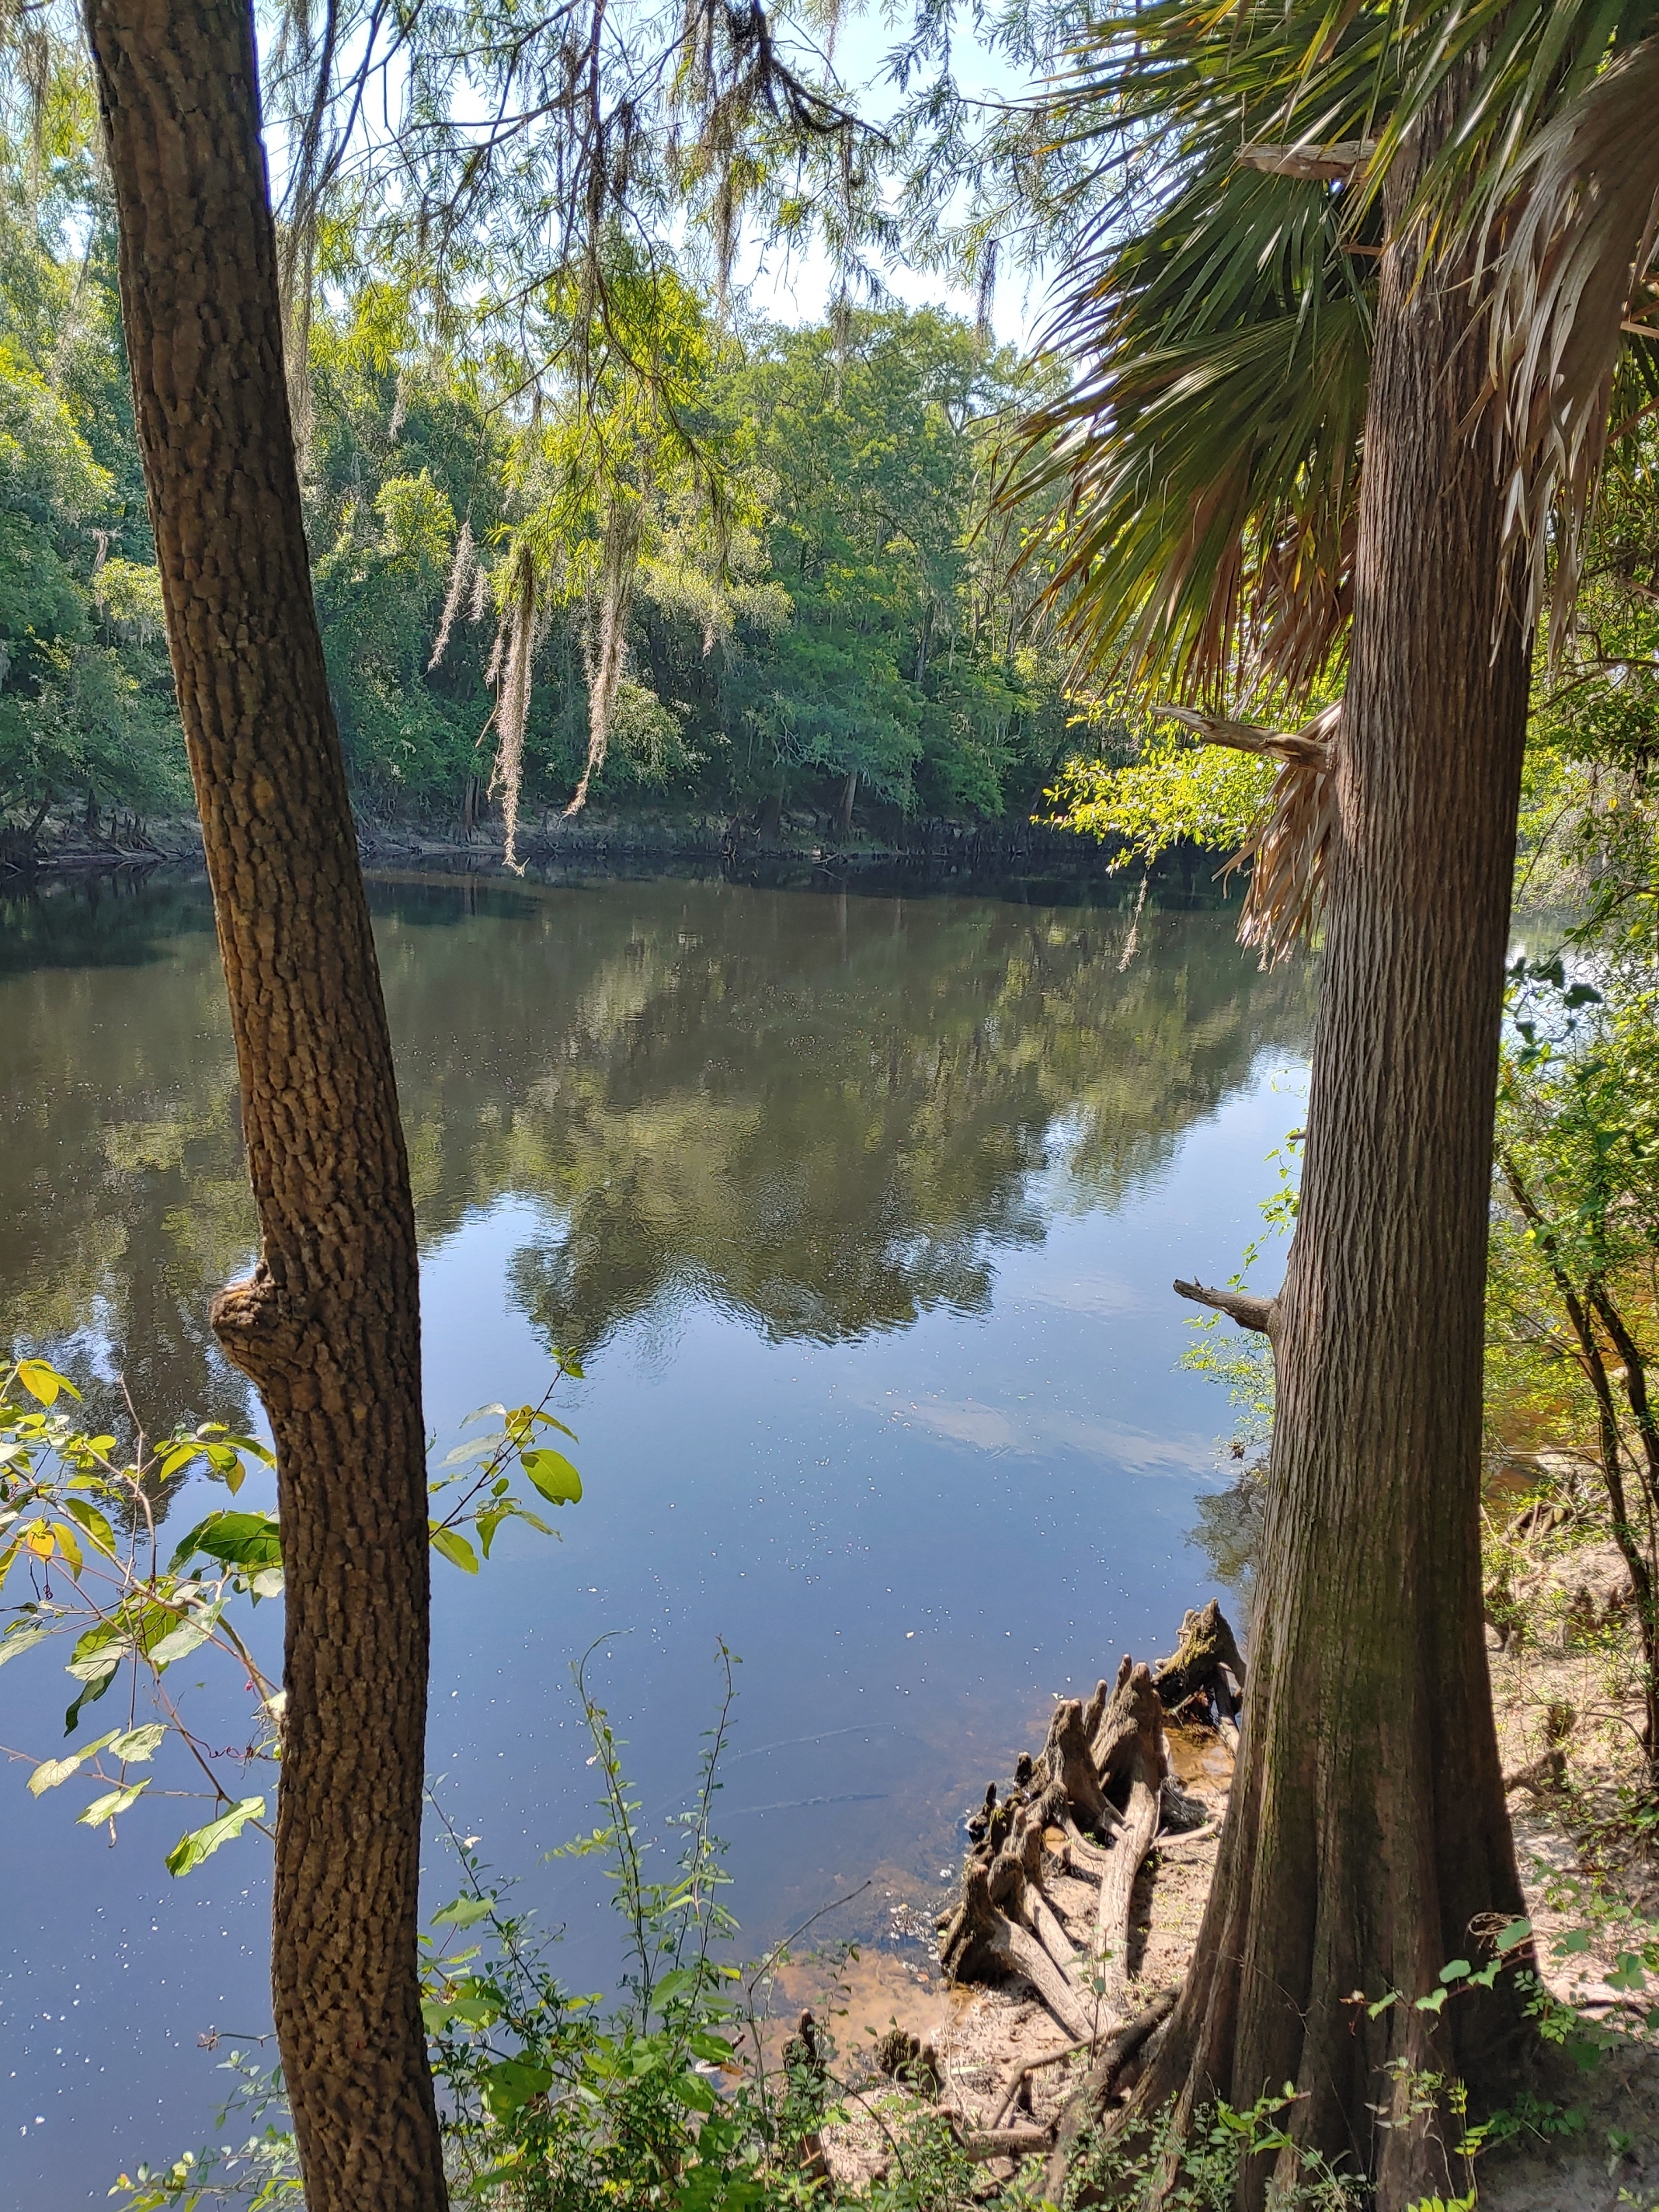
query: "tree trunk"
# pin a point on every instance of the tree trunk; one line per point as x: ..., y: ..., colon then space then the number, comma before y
x: 848, y: 793
x: 1367, y: 1830
x: 327, y: 1328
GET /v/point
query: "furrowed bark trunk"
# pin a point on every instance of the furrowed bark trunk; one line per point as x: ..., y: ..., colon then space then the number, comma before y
x: 328, y: 1326
x: 1367, y: 1830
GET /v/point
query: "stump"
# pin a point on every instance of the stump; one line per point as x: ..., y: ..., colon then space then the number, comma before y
x: 1102, y: 1779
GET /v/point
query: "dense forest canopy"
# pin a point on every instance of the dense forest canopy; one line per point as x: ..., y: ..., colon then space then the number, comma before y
x: 764, y: 573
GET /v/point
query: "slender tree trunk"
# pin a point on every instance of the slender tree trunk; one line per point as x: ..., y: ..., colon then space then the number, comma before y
x: 848, y: 793
x: 1367, y: 1832
x: 327, y: 1326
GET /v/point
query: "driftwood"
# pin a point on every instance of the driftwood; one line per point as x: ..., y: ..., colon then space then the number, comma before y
x: 1094, y: 1801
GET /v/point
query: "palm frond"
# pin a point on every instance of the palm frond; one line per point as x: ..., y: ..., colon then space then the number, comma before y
x: 1580, y: 238
x: 1205, y: 461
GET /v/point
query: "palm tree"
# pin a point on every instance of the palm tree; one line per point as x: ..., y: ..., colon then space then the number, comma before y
x: 1276, y: 466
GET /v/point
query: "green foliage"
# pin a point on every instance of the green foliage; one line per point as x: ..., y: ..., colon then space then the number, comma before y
x: 1197, y: 2169
x: 80, y: 1531
x: 550, y: 2102
x: 1176, y: 791
x: 85, y: 694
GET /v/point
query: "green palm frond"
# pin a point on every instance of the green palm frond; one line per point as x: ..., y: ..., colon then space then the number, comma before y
x: 1206, y: 457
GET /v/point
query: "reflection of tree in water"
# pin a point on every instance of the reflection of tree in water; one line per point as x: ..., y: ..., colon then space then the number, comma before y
x: 126, y: 1199
x: 820, y: 1112
x: 1229, y: 1534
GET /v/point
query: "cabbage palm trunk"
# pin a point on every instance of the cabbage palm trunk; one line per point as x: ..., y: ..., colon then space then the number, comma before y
x: 1367, y: 1833
x: 328, y: 1326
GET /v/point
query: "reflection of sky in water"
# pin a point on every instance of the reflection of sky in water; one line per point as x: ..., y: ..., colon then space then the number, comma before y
x: 912, y: 1540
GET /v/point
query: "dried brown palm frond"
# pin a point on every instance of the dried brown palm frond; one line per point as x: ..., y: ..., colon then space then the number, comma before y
x: 1290, y: 845
x: 1580, y: 235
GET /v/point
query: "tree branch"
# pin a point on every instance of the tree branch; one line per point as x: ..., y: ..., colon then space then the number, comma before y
x: 1309, y: 745
x: 1329, y: 164
x: 1259, y: 1314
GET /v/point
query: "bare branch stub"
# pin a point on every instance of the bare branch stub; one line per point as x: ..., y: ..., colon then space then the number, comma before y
x: 1330, y: 164
x: 1259, y: 1314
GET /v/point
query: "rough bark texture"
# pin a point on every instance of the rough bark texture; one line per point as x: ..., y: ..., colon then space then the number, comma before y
x: 1367, y: 1830
x: 328, y: 1326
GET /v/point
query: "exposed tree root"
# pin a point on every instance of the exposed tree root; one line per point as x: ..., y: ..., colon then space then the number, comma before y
x: 1091, y: 1804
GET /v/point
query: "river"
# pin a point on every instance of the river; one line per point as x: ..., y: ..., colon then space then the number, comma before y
x: 861, y: 1212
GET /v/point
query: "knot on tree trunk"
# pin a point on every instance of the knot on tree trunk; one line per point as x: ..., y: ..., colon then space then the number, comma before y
x: 261, y: 1326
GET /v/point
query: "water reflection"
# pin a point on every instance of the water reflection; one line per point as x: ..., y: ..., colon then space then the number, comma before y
x: 868, y: 1208
x: 820, y: 1114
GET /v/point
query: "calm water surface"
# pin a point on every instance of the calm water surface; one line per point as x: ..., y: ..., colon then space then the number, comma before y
x: 862, y: 1213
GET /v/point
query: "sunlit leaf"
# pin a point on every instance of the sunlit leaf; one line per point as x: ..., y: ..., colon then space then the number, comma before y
x: 180, y: 1642
x: 138, y: 1743
x: 43, y: 1382
x: 202, y: 1843
x: 454, y: 1547
x: 461, y: 1911
x: 552, y: 1474
x: 113, y: 1802
x: 51, y: 1772
x: 93, y: 1521
x: 22, y: 1636
x: 240, y: 1539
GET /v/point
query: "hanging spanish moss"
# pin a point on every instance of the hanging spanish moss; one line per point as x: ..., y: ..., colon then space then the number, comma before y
x: 605, y: 646
x: 464, y: 570
x: 512, y: 701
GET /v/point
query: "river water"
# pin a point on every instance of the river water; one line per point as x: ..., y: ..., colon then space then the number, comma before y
x: 862, y: 1213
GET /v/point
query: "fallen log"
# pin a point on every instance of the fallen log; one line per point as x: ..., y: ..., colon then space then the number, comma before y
x: 980, y: 2144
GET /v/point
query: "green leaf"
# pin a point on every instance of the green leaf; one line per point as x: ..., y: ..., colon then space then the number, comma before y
x: 111, y: 1802
x: 1433, y: 2002
x: 552, y: 1474
x: 461, y: 1911
x: 691, y: 2089
x: 89, y: 1696
x: 1516, y: 1933
x: 1455, y: 1971
x: 93, y: 1521
x: 512, y: 2082
x: 202, y: 1843
x: 454, y: 1547
x: 179, y: 1643
x: 51, y: 1772
x: 240, y: 1539
x: 1575, y: 1939
x: 68, y: 1545
x: 138, y: 1743
x: 44, y: 1383
x: 22, y: 1636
